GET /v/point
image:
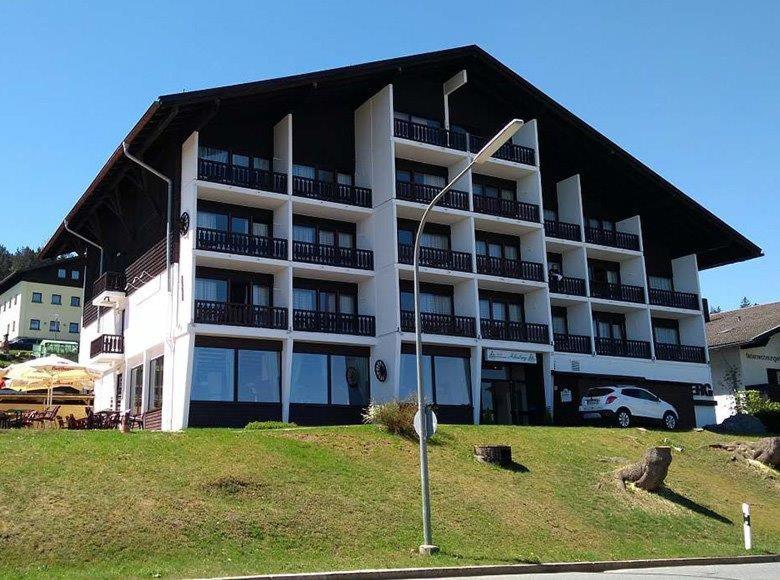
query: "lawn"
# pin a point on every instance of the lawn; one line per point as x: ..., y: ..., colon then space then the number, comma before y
x: 217, y: 502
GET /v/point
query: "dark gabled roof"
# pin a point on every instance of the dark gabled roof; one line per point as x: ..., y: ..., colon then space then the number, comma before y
x: 190, y: 109
x: 746, y: 327
x: 21, y: 275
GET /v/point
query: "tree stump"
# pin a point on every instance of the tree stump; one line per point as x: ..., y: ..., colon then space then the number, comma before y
x: 494, y: 454
x: 766, y: 450
x: 650, y: 472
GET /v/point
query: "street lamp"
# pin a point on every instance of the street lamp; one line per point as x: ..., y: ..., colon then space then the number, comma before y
x: 483, y: 155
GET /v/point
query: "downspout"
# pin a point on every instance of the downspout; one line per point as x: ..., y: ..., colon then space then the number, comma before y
x: 79, y: 236
x: 169, y: 183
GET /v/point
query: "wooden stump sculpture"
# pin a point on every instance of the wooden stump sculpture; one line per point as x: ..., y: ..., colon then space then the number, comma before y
x: 766, y: 450
x: 495, y: 454
x: 650, y: 472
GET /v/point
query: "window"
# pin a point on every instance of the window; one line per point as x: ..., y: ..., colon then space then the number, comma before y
x: 422, y: 175
x: 73, y: 327
x: 495, y: 189
x: 212, y: 221
x: 660, y: 283
x: 61, y: 273
x: 560, y: 322
x: 502, y: 307
x: 155, y: 383
x: 330, y: 379
x: 212, y: 374
x: 75, y: 301
x: 212, y: 154
x: 56, y: 299
x: 601, y: 224
x: 325, y: 299
x: 136, y: 389
x: 324, y: 233
x: 666, y: 331
x: 600, y: 271
x: 438, y: 301
x: 608, y: 325
x: 75, y: 274
x: 437, y: 237
x: 321, y: 174
x: 555, y: 263
x: 773, y: 376
x: 349, y: 380
x: 259, y: 376
x: 37, y: 297
x: 446, y: 379
x: 117, y: 406
x: 211, y: 290
x: 550, y: 214
x: 35, y: 324
x: 309, y: 378
x: 54, y: 326
x: 496, y: 246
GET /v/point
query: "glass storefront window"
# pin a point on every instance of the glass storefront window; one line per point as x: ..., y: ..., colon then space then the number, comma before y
x: 452, y: 380
x: 155, y: 383
x: 309, y: 378
x: 212, y: 374
x: 259, y: 376
x: 408, y: 377
x: 349, y: 379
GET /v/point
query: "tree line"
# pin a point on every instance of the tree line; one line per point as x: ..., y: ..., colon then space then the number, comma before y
x: 20, y: 259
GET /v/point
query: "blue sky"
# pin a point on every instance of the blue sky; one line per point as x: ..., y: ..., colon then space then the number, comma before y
x: 690, y: 88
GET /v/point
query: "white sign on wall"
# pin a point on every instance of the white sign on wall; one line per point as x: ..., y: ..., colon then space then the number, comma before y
x: 510, y: 356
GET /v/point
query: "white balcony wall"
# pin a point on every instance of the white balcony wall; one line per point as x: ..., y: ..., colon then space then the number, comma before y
x: 283, y: 148
x: 462, y: 236
x: 383, y: 223
x: 367, y: 295
x: 537, y: 307
x: 374, y: 151
x: 580, y: 319
x: 529, y: 189
x: 638, y: 326
x: 388, y: 300
x: 528, y: 137
x: 632, y: 271
x: 685, y: 274
x: 569, y: 194
x: 466, y: 299
x: 532, y: 247
x: 575, y: 263
x: 632, y: 225
x: 692, y: 331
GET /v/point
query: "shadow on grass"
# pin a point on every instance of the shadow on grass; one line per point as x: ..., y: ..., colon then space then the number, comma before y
x: 489, y: 559
x: 689, y: 504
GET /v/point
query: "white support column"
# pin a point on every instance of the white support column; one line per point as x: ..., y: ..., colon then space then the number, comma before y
x: 476, y: 381
x: 287, y: 353
x: 283, y: 149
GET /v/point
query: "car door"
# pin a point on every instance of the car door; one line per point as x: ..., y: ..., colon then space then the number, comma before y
x: 635, y: 403
x: 652, y: 404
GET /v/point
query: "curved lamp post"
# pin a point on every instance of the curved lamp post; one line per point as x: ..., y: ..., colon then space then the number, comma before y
x: 483, y: 155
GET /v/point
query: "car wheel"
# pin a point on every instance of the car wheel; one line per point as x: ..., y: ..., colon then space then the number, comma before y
x: 670, y: 421
x: 623, y: 418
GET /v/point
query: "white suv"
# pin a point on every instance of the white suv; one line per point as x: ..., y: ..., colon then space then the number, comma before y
x: 624, y: 403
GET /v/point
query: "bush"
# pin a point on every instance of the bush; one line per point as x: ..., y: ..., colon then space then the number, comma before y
x: 395, y: 417
x: 263, y: 425
x: 768, y: 412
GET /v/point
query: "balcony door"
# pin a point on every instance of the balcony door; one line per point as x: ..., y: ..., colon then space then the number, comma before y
x: 494, y: 246
x: 501, y: 308
x: 604, y: 272
x: 608, y: 325
x: 666, y: 331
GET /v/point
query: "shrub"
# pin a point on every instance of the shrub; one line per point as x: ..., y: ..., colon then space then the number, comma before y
x: 395, y: 417
x: 263, y: 425
x: 762, y: 408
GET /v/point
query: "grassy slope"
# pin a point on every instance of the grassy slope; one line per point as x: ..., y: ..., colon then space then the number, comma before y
x: 209, y: 502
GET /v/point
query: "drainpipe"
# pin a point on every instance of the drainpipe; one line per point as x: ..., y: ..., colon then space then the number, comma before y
x: 79, y: 236
x: 169, y: 183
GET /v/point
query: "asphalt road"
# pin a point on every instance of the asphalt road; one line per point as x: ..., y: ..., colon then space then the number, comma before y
x: 770, y: 571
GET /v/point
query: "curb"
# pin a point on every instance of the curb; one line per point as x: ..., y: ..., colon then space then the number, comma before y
x: 498, y: 569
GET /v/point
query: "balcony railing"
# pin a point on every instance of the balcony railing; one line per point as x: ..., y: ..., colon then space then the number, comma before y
x: 333, y: 256
x: 331, y: 191
x: 439, y: 323
x: 576, y: 343
x: 508, y: 151
x: 674, y: 299
x: 217, y: 172
x: 333, y: 322
x: 233, y: 314
x: 621, y: 292
x: 422, y: 193
x: 510, y: 268
x: 680, y: 353
x: 243, y: 244
x: 109, y: 282
x: 436, y: 258
x: 612, y: 238
x: 430, y: 135
x: 510, y: 208
x: 567, y: 285
x: 107, y: 344
x: 515, y: 331
x: 562, y: 230
x: 621, y: 347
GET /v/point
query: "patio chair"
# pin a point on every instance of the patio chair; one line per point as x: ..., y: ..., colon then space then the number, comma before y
x: 75, y: 424
x: 135, y: 421
x: 47, y: 416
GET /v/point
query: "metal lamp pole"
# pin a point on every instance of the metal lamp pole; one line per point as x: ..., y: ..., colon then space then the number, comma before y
x: 485, y: 153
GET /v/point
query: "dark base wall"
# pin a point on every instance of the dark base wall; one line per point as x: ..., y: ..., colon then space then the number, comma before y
x: 225, y: 414
x: 301, y: 414
x: 455, y: 414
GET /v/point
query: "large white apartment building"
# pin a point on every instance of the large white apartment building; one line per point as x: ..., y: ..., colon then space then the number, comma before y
x: 559, y: 264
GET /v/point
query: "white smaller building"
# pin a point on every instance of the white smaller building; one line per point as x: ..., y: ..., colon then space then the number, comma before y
x: 744, y: 353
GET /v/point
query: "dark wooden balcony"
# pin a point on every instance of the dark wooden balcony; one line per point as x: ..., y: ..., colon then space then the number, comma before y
x: 331, y: 191
x: 430, y: 135
x: 232, y: 314
x: 507, y: 152
x: 680, y: 353
x: 421, y: 193
x: 217, y: 172
x: 621, y: 347
x: 510, y: 208
x: 109, y: 282
x: 620, y: 292
x: 333, y: 256
x: 562, y: 230
x: 567, y: 285
x: 515, y: 331
x: 611, y: 238
x: 333, y: 322
x: 510, y: 268
x: 685, y: 300
x: 436, y: 258
x: 107, y: 344
x: 439, y: 324
x: 243, y: 244
x: 576, y: 343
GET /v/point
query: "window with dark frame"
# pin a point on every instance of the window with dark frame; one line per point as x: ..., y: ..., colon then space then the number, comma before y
x: 609, y: 325
x: 604, y: 271
x: 230, y: 158
x: 560, y: 320
x: 666, y: 331
x: 324, y: 232
x: 155, y: 383
x: 501, y: 307
x: 327, y: 175
x: 37, y: 297
x: 54, y: 326
x: 446, y: 378
x: 434, y: 298
x: 494, y: 188
x: 35, y: 324
x: 243, y: 374
x: 498, y: 246
x: 75, y: 301
x: 434, y: 236
x: 330, y: 378
x: 56, y: 299
x: 73, y: 327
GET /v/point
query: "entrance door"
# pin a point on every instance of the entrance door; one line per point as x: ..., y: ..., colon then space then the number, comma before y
x: 505, y: 402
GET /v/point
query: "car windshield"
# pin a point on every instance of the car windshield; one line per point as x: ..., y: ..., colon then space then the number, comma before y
x: 599, y: 391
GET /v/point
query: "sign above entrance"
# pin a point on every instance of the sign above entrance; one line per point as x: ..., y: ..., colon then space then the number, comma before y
x: 509, y: 356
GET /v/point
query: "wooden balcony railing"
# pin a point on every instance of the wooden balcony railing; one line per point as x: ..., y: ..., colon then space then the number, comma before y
x: 243, y: 244
x: 562, y: 230
x: 436, y: 258
x: 576, y: 343
x: 109, y: 282
x: 421, y: 193
x: 612, y: 238
x: 107, y: 344
x: 333, y: 322
x: 680, y: 353
x: 233, y: 314
x: 217, y: 172
x: 515, y: 331
x: 507, y: 152
x: 674, y: 299
x: 439, y: 323
x: 331, y: 191
x: 621, y: 347
x: 510, y: 268
x: 510, y: 208
x: 621, y: 292
x: 333, y: 256
x: 430, y: 135
x: 567, y: 285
